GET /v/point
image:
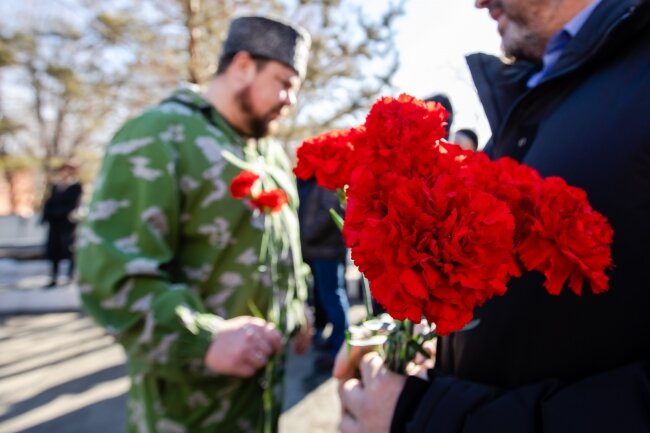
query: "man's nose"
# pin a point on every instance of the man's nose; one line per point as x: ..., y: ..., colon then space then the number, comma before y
x: 481, y: 4
x: 288, y: 97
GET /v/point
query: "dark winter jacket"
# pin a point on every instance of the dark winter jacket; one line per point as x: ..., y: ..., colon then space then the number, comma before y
x: 57, y: 212
x: 542, y: 363
x: 320, y: 238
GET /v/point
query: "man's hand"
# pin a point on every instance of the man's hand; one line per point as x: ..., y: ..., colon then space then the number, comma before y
x: 368, y: 404
x: 347, y: 361
x: 420, y: 365
x: 242, y: 345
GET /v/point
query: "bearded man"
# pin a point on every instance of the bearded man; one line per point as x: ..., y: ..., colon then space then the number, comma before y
x: 571, y: 101
x: 172, y: 264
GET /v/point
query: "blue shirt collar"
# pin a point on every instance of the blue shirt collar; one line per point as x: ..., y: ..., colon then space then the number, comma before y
x: 555, y: 46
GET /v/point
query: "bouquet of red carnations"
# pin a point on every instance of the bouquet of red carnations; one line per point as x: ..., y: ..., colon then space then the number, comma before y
x: 438, y: 230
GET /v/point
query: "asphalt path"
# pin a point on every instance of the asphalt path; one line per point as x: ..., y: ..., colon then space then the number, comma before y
x: 61, y: 373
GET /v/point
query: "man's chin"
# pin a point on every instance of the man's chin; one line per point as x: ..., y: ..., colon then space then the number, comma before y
x: 263, y: 129
x: 522, y: 46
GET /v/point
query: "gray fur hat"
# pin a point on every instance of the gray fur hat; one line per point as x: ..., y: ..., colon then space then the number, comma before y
x: 270, y: 38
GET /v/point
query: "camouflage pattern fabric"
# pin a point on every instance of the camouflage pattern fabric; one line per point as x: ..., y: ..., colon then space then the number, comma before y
x: 166, y: 254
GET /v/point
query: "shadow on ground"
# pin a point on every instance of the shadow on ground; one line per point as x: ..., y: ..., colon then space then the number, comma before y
x: 61, y: 373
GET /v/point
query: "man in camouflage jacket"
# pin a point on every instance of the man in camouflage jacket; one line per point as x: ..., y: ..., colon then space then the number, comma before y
x: 175, y: 267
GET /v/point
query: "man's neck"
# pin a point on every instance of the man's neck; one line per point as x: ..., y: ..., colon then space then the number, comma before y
x: 564, y: 12
x: 221, y: 95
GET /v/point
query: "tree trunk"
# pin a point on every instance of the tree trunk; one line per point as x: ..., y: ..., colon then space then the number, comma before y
x: 12, y: 191
x: 192, y: 9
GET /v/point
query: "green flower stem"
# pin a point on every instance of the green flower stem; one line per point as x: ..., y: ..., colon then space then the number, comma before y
x: 276, y: 315
x: 367, y: 297
x: 402, y: 346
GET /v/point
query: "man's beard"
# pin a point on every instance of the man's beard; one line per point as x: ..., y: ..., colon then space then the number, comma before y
x: 526, y: 46
x: 520, y: 40
x: 259, y: 126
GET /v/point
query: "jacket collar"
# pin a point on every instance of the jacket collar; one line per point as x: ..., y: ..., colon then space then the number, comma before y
x: 605, y: 25
x: 189, y: 95
x: 498, y: 84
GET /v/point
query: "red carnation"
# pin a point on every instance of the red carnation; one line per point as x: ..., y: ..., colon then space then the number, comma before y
x: 366, y: 200
x: 518, y: 185
x: 329, y: 157
x: 270, y: 201
x: 405, y: 121
x: 438, y: 244
x: 399, y: 130
x: 241, y: 185
x: 568, y: 240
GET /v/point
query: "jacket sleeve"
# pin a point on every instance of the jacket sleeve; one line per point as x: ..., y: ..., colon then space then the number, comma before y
x: 612, y: 401
x: 126, y: 248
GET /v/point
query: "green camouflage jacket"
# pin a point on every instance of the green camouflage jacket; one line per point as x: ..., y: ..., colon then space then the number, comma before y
x: 166, y: 253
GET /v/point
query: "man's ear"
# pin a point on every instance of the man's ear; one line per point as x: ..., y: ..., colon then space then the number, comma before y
x: 244, y: 67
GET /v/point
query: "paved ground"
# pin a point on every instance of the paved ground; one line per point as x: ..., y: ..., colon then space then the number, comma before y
x: 61, y: 373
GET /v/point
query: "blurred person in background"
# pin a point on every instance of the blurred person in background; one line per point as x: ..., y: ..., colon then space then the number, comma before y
x: 466, y: 139
x: 59, y: 214
x: 324, y: 250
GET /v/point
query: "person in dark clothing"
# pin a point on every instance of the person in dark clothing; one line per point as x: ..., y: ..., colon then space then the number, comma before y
x: 573, y: 104
x: 443, y: 100
x: 324, y: 250
x: 58, y: 213
x: 320, y: 318
x: 467, y: 139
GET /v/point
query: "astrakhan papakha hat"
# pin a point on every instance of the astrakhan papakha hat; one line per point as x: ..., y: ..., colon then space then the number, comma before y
x: 270, y: 38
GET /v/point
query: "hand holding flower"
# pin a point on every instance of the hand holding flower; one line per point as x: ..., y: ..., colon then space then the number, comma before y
x: 242, y: 345
x: 368, y: 403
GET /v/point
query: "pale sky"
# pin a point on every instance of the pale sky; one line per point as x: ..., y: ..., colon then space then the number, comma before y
x: 433, y: 38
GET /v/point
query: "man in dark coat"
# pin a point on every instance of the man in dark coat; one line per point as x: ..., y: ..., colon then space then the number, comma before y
x: 323, y: 248
x: 574, y: 103
x: 58, y: 213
